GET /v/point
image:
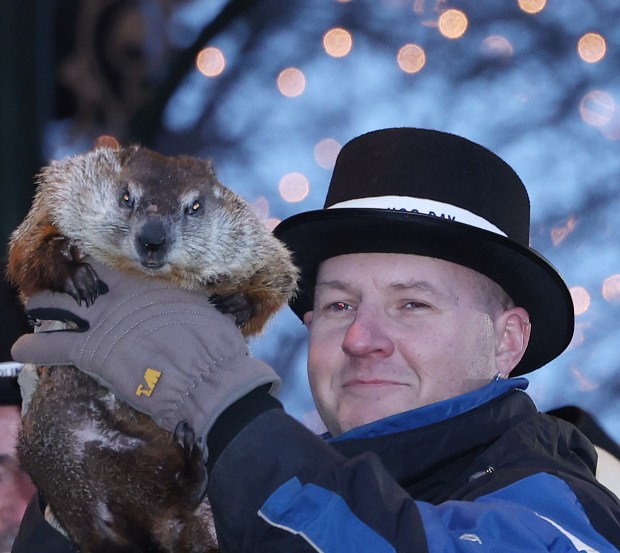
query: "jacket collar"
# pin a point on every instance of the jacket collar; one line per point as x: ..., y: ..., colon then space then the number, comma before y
x: 412, y: 443
x: 434, y: 413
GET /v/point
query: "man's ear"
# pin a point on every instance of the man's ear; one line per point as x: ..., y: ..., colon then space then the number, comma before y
x: 512, y: 335
x: 308, y: 318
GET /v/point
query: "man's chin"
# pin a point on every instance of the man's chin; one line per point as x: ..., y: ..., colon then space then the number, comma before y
x: 369, y: 414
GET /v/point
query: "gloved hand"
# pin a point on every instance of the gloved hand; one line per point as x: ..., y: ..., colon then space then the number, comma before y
x: 165, y: 351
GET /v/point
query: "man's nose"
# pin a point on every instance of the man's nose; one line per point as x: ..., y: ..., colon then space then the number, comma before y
x: 367, y: 336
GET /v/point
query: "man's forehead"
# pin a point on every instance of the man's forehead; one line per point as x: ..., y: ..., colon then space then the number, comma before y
x: 400, y: 271
x: 386, y: 271
x: 393, y: 263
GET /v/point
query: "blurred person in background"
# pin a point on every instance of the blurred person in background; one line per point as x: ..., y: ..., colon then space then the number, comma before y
x: 16, y: 489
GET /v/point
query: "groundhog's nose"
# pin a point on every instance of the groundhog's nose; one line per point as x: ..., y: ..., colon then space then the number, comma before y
x: 152, y: 236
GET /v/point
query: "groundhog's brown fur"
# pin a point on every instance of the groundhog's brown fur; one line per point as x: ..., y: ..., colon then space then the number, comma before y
x: 114, y: 480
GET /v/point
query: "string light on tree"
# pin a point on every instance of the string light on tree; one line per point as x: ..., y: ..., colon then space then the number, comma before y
x: 597, y: 108
x: 592, y: 47
x: 581, y: 299
x: 325, y: 153
x: 611, y: 289
x: 210, y: 61
x: 497, y: 46
x: 294, y: 187
x: 411, y: 58
x: 532, y: 6
x: 291, y: 82
x: 452, y: 24
x: 337, y: 42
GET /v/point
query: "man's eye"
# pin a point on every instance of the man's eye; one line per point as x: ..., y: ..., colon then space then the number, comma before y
x: 338, y: 306
x: 416, y: 305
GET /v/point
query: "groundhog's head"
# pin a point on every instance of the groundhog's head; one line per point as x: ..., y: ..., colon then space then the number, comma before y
x: 141, y: 211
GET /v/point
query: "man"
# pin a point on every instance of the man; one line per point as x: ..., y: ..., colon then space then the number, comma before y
x: 422, y: 297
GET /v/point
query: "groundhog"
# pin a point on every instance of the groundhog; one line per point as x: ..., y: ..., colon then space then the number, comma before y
x: 114, y: 480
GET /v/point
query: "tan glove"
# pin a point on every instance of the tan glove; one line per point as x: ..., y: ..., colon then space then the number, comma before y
x: 165, y: 351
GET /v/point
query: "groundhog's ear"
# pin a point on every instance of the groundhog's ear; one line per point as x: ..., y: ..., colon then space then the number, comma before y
x: 106, y: 141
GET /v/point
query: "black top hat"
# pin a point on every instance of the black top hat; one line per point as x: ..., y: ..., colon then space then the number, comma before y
x: 435, y: 194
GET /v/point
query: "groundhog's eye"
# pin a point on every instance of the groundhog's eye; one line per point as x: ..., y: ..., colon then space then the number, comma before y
x: 194, y: 208
x: 126, y: 199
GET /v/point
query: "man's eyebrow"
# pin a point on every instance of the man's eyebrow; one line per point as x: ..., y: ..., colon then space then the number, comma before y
x: 335, y: 284
x: 415, y: 286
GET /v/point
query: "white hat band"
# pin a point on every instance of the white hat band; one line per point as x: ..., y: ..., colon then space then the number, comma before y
x: 422, y: 206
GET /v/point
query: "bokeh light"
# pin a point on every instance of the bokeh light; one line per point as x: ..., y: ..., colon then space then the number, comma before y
x: 581, y: 299
x: 611, y: 289
x: 325, y: 153
x: 294, y: 187
x: 497, y: 46
x: 271, y: 223
x: 611, y: 131
x: 210, y: 61
x: 597, y: 108
x: 291, y: 82
x: 411, y: 58
x: 337, y: 42
x: 532, y: 6
x: 452, y: 24
x: 592, y: 47
x: 579, y: 336
x: 559, y: 234
x: 584, y: 383
x: 261, y: 206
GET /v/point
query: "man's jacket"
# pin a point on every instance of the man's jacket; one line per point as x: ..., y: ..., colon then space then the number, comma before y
x: 478, y: 473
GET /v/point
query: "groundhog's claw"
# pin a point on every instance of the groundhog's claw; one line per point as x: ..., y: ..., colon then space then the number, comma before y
x: 195, y: 470
x: 235, y: 304
x: 184, y: 436
x: 82, y: 284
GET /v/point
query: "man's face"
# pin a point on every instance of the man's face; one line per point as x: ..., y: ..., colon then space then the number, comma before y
x: 393, y: 332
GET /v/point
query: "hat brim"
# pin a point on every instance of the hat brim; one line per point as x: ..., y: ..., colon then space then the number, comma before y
x: 527, y: 277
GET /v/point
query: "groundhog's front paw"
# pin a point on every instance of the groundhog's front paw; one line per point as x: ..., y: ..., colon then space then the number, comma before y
x: 234, y: 304
x: 81, y: 282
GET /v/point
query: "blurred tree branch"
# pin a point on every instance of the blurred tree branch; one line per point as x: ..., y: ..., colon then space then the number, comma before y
x: 145, y: 125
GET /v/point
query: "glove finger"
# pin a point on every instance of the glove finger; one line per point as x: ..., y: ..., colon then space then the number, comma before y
x: 62, y: 315
x: 43, y: 348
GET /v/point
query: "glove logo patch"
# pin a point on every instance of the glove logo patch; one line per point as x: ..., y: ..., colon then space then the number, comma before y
x: 151, y: 378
